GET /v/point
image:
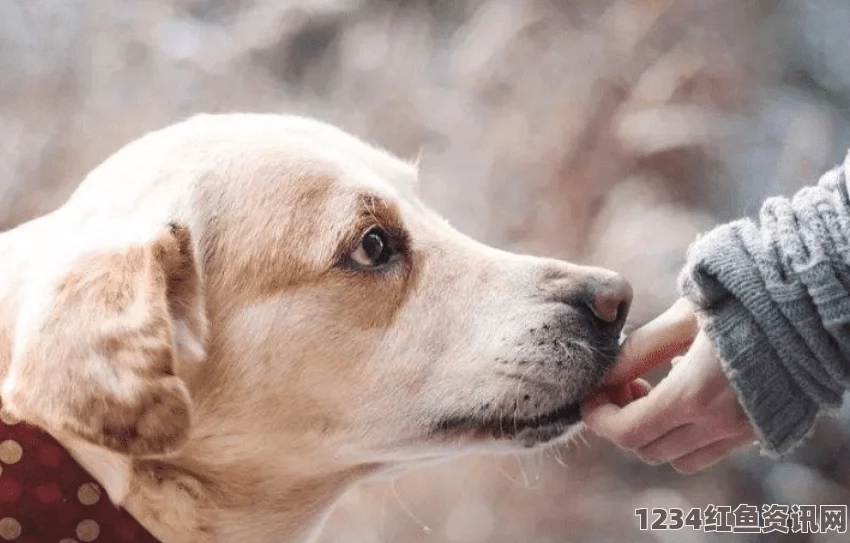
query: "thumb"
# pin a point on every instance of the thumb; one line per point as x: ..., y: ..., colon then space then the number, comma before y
x: 666, y: 336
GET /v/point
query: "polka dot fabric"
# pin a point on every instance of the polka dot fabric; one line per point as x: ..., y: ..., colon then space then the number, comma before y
x: 46, y: 497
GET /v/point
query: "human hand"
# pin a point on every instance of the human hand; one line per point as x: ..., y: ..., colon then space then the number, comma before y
x: 691, y: 419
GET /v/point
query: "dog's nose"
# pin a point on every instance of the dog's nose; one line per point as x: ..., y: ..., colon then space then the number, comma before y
x: 610, y: 301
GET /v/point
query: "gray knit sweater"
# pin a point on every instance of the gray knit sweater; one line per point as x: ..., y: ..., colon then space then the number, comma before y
x: 775, y: 301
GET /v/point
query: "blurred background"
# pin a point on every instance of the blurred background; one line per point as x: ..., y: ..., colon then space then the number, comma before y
x: 603, y: 131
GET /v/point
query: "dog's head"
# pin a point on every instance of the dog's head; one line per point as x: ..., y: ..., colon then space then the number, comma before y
x: 302, y: 298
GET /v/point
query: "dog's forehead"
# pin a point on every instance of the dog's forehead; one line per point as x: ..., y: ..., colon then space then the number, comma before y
x: 328, y: 138
x: 315, y: 149
x: 322, y: 166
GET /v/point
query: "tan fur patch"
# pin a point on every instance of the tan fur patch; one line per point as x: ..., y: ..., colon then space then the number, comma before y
x: 103, y: 352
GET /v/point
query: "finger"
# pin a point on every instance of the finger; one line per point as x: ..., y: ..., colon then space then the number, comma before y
x: 709, y: 455
x: 621, y: 395
x: 679, y: 442
x: 634, y: 425
x: 656, y: 342
x: 624, y: 394
x: 640, y: 388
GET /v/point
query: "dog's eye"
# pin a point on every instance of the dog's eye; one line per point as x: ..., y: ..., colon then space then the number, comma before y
x: 374, y: 249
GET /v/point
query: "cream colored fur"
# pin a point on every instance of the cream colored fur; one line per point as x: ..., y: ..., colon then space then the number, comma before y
x: 187, y: 326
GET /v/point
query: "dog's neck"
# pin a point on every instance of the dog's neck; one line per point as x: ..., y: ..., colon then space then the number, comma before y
x: 256, y: 502
x: 243, y: 489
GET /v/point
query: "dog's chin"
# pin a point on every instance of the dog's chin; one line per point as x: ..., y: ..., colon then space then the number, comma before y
x: 526, y: 432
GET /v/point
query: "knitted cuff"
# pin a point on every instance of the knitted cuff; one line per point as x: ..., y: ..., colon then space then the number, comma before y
x: 780, y: 411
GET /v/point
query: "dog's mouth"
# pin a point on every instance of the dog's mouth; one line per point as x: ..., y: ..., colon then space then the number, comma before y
x: 525, y: 431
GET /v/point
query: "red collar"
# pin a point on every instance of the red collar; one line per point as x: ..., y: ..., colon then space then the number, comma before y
x: 46, y: 497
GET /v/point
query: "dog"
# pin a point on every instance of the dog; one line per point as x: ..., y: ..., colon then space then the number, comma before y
x: 235, y: 318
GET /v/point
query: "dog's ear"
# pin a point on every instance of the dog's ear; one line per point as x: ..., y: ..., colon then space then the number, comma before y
x: 95, y: 350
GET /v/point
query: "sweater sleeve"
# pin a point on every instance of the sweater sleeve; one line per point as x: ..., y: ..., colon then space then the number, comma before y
x: 774, y: 298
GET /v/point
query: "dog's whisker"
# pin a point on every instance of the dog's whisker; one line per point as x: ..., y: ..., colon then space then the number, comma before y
x: 583, y: 439
x: 521, y: 467
x: 406, y: 509
x: 507, y: 475
x: 556, y: 454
